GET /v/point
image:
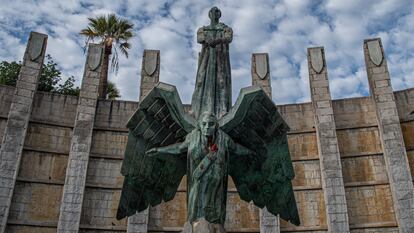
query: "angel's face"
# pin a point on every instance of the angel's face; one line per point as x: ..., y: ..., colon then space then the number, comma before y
x: 208, y: 125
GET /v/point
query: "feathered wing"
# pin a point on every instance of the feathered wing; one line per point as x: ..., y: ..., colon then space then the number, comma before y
x: 159, y: 121
x: 255, y: 123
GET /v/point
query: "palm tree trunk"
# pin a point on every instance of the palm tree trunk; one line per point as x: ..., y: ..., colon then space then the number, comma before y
x: 103, y: 80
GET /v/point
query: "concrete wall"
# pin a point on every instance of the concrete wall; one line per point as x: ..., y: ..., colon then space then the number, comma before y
x: 37, y: 196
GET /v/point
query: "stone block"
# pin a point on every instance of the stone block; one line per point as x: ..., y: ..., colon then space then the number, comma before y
x: 404, y: 100
x: 320, y: 83
x: 114, y: 114
x: 312, y: 211
x: 48, y: 138
x: 38, y: 203
x: 408, y: 132
x: 29, y: 229
x: 303, y: 146
x: 104, y: 172
x: 109, y: 143
x: 99, y: 208
x: 361, y: 141
x: 363, y: 170
x: 307, y: 174
x: 26, y: 85
x: 33, y: 65
x: 370, y: 204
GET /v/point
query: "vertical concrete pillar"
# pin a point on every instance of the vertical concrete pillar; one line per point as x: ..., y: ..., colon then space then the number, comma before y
x: 18, y: 121
x: 74, y: 188
x: 261, y: 72
x: 261, y: 76
x: 150, y: 71
x: 330, y: 161
x: 268, y: 222
x: 138, y: 223
x: 392, y: 141
x: 150, y: 76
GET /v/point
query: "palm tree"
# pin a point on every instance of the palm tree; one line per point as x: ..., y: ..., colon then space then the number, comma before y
x: 113, y: 91
x: 113, y: 32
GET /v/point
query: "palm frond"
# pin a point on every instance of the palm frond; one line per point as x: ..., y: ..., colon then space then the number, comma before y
x: 124, y: 48
x: 115, y: 61
x: 113, y: 30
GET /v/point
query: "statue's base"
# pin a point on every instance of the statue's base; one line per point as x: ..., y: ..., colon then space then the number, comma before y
x: 203, y: 226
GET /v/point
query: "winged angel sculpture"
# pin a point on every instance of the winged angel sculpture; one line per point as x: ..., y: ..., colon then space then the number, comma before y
x: 248, y: 142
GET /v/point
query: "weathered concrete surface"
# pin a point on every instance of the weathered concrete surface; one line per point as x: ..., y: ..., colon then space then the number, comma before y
x: 113, y: 115
x: 329, y: 156
x: 18, y: 120
x: 260, y: 72
x: 150, y: 71
x: 261, y: 76
x: 138, y: 222
x: 48, y: 142
x: 171, y: 216
x: 26, y: 209
x: 74, y: 188
x: 391, y: 135
x: 362, y: 166
x: 56, y: 109
x: 312, y: 212
x: 370, y: 206
x: 99, y: 208
x: 405, y: 104
x: 268, y: 222
x: 48, y: 138
x: 150, y: 76
x: 6, y: 99
x: 299, y: 117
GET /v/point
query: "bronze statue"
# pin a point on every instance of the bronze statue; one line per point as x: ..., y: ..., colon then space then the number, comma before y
x: 213, y: 83
x: 249, y: 143
x: 207, y: 148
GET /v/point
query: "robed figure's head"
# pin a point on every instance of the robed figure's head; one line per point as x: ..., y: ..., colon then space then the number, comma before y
x: 214, y: 14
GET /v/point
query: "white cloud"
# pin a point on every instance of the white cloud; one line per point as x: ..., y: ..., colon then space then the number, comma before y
x: 284, y: 29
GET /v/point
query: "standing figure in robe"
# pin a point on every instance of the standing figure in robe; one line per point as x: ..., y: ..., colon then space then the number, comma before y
x: 249, y: 144
x: 213, y: 83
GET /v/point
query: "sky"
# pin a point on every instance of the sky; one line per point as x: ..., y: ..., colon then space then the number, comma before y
x: 284, y: 29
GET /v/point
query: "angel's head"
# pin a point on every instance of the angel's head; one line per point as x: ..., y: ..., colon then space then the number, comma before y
x: 208, y: 124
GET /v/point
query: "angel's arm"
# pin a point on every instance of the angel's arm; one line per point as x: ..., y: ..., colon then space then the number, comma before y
x: 174, y: 149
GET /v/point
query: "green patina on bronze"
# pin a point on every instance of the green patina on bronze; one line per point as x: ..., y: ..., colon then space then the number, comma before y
x: 249, y: 143
x: 213, y: 83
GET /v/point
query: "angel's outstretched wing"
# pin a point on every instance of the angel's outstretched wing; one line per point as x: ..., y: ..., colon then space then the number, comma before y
x: 255, y: 123
x: 159, y: 121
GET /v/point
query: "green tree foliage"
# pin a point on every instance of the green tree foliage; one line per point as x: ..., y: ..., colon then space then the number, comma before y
x: 68, y: 87
x: 50, y: 79
x: 50, y: 76
x: 113, y: 92
x: 9, y: 71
